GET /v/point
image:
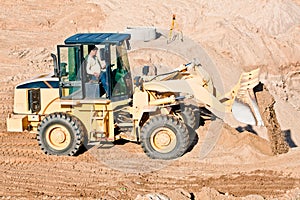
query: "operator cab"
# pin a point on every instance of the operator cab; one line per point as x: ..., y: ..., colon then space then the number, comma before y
x: 70, y: 67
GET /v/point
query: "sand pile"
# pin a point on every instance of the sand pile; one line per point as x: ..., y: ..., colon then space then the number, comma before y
x: 227, y: 145
x: 247, y: 147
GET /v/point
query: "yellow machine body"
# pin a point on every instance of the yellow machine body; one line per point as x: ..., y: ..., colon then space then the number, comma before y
x: 67, y: 109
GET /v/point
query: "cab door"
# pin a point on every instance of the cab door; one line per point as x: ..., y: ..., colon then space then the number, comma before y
x: 70, y: 72
x: 120, y: 77
x: 121, y: 84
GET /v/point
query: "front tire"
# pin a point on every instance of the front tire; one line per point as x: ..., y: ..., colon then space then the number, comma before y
x: 187, y: 115
x: 60, y: 134
x: 164, y: 137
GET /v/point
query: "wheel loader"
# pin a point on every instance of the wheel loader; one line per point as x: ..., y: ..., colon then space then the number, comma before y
x: 67, y: 110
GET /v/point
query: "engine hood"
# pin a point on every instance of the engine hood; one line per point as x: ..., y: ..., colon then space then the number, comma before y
x: 41, y: 81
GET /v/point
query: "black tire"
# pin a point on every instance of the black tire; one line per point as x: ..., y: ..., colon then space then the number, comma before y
x: 60, y: 134
x: 164, y: 129
x: 190, y: 115
x: 187, y: 115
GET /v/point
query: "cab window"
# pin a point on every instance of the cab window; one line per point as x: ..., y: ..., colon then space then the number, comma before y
x: 120, y: 74
x: 69, y: 72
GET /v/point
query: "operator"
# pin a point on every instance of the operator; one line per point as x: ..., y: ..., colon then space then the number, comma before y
x: 94, y: 68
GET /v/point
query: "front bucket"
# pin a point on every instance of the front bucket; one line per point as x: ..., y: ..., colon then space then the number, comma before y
x: 245, y: 108
x: 247, y: 113
x: 243, y: 113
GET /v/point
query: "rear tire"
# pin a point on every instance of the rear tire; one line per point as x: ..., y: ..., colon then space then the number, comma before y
x: 164, y: 137
x: 60, y: 134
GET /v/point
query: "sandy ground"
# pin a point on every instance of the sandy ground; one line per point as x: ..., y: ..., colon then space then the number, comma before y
x: 235, y: 35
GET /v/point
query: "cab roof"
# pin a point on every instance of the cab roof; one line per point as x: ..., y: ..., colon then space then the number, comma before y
x: 97, y: 38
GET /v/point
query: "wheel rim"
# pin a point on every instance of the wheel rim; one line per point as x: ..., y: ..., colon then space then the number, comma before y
x: 58, y: 137
x: 163, y: 140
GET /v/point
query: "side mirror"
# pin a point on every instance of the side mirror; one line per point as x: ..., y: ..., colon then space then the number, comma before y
x: 102, y: 54
x: 128, y: 46
x: 56, y: 70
